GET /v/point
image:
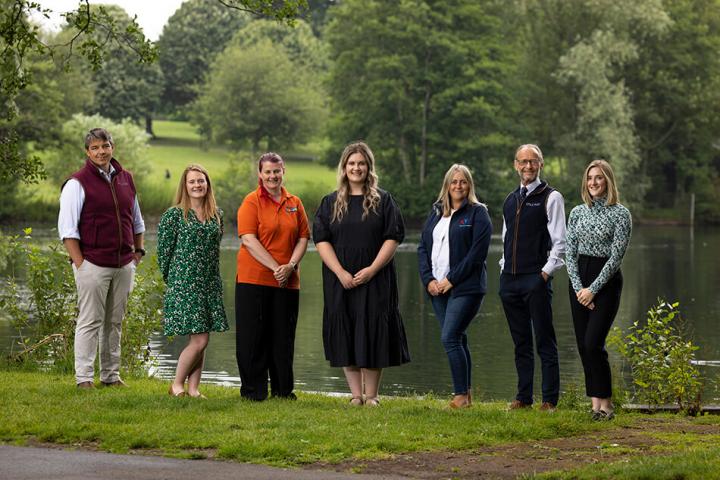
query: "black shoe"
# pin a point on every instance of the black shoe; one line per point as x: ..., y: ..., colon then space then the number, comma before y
x: 595, y: 415
x: 289, y: 396
x: 602, y: 415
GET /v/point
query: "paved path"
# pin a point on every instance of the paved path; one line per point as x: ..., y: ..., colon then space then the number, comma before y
x: 30, y: 463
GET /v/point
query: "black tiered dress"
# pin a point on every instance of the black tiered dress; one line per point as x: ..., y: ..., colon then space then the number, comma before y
x: 362, y: 326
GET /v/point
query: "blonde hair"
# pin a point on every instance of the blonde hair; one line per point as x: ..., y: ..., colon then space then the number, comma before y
x: 370, y: 189
x: 611, y: 190
x: 444, y: 196
x: 182, y: 199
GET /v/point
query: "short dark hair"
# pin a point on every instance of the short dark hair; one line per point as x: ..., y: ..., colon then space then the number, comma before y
x: 98, y: 134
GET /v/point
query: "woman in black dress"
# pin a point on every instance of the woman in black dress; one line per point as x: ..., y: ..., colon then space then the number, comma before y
x: 357, y: 230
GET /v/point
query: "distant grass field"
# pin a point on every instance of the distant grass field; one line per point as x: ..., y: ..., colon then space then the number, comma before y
x: 177, y: 145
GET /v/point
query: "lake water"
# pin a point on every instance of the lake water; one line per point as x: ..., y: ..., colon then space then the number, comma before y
x: 672, y: 262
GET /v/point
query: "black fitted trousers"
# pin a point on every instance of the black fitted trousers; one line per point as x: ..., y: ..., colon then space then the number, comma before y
x: 265, y: 322
x: 592, y: 326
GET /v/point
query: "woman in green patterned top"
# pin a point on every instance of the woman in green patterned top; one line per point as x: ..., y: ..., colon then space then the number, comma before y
x: 598, y: 233
x: 189, y: 256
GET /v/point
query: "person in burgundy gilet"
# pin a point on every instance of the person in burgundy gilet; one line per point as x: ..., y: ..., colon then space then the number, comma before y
x: 102, y: 228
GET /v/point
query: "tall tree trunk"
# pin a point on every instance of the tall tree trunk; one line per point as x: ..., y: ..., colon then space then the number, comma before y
x: 149, y: 125
x: 402, y: 147
x: 425, y: 119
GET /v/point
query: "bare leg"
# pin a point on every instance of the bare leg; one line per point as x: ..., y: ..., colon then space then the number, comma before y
x: 353, y: 375
x: 192, y: 354
x: 606, y: 405
x: 194, y: 377
x: 371, y: 377
x: 596, y: 403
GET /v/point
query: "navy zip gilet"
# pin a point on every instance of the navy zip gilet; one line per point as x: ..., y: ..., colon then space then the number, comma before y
x: 527, y: 240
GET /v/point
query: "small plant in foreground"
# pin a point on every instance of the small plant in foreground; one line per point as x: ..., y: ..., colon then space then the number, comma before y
x: 40, y: 299
x: 661, y: 359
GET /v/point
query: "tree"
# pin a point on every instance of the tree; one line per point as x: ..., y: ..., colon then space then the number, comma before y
x: 191, y: 39
x: 19, y: 37
x: 255, y: 95
x: 131, y: 144
x: 675, y: 87
x: 424, y: 82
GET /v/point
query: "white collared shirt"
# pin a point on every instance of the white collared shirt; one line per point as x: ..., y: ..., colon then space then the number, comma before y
x: 556, y: 228
x: 72, y: 199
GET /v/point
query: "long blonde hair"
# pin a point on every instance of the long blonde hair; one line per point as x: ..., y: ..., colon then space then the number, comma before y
x: 370, y: 189
x: 182, y: 199
x: 611, y: 191
x: 444, y: 196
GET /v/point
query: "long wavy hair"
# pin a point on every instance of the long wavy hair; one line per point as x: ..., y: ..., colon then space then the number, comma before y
x: 611, y: 191
x: 444, y: 196
x: 182, y: 199
x: 370, y: 189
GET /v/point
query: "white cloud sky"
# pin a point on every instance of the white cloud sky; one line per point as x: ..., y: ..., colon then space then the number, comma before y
x: 152, y: 15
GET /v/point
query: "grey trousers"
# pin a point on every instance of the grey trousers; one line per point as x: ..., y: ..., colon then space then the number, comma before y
x: 102, y: 298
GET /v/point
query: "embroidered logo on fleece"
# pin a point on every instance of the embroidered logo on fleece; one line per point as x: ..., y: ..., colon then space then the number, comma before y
x: 291, y: 209
x: 464, y: 223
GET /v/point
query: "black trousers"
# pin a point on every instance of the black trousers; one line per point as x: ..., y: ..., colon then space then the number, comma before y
x: 592, y: 326
x: 527, y: 301
x: 265, y: 322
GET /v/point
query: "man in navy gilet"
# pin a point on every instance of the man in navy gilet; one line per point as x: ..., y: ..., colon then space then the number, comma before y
x: 533, y: 249
x: 102, y: 228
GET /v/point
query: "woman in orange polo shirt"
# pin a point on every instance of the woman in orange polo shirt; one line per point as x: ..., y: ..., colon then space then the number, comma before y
x: 274, y: 231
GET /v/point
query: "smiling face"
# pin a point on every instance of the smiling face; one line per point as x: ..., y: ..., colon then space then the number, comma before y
x: 596, y: 183
x: 271, y: 176
x: 356, y: 169
x: 528, y: 165
x: 100, y: 152
x: 196, y: 184
x: 459, y: 189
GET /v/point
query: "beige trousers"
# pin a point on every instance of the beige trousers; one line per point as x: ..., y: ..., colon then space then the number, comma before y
x: 102, y: 297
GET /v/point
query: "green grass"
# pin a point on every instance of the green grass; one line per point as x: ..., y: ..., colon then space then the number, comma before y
x: 48, y: 408
x: 177, y: 145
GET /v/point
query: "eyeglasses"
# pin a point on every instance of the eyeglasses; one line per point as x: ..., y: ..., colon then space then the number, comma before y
x: 526, y: 163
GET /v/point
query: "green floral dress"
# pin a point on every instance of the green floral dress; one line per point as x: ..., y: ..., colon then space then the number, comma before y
x: 189, y: 258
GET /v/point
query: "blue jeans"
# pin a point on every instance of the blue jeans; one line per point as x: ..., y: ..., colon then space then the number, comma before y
x: 455, y: 315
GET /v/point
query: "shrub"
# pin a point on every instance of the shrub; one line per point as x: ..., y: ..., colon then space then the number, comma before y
x: 661, y: 359
x: 40, y: 300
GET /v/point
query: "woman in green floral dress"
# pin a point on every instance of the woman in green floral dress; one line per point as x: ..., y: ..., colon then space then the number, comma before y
x: 189, y: 256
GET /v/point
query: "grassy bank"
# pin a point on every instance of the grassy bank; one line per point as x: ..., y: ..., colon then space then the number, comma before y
x: 314, y: 429
x: 177, y: 145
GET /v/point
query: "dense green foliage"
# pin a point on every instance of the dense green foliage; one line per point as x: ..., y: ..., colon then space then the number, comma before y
x: 426, y: 83
x: 660, y: 359
x: 44, y: 314
x: 258, y: 91
x: 190, y: 40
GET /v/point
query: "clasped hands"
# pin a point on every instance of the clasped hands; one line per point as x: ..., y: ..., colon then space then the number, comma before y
x: 282, y: 274
x: 349, y: 281
x: 436, y: 288
x: 585, y: 298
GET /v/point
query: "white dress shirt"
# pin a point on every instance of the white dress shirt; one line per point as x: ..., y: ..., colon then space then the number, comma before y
x: 72, y: 199
x: 556, y: 228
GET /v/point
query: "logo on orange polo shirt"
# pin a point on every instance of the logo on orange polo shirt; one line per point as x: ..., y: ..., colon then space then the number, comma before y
x: 291, y: 209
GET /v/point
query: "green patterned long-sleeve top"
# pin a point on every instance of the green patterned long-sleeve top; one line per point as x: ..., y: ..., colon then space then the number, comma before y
x: 599, y: 230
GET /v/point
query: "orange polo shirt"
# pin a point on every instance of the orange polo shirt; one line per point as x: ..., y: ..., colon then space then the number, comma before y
x: 278, y: 226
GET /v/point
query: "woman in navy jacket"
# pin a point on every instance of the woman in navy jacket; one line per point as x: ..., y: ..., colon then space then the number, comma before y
x: 451, y: 256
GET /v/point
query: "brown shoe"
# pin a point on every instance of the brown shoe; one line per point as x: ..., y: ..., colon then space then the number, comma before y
x: 547, y: 407
x: 459, y: 401
x: 517, y: 405
x: 116, y: 383
x: 178, y: 394
x: 86, y: 385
